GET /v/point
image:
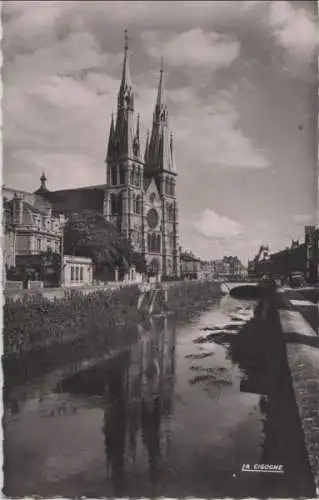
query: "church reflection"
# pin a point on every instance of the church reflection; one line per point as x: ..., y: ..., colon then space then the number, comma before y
x: 139, y: 404
x: 135, y: 390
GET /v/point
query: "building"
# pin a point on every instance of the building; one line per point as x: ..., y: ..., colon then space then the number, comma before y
x: 207, y: 271
x: 77, y: 271
x: 8, y: 238
x: 36, y: 229
x: 139, y: 196
x: 190, y: 266
x: 299, y: 257
x: 228, y: 268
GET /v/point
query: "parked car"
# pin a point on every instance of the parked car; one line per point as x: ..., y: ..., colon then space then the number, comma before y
x: 296, y: 279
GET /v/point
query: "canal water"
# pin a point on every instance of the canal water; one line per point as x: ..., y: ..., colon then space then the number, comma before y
x: 173, y: 415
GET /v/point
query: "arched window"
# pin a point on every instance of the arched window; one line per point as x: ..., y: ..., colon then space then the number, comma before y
x: 158, y: 243
x: 119, y: 203
x: 122, y: 175
x: 138, y: 205
x: 114, y: 175
x: 133, y: 175
x: 134, y: 203
x: 138, y: 176
x: 113, y: 204
x: 153, y: 244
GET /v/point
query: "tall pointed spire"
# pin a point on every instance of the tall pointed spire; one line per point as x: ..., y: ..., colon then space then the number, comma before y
x: 126, y: 79
x: 125, y: 95
x: 159, y: 154
x: 124, y: 129
x: 111, y: 145
x: 160, y: 91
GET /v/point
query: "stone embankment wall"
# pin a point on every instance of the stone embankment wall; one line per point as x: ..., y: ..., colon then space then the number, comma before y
x: 302, y: 351
x: 290, y: 341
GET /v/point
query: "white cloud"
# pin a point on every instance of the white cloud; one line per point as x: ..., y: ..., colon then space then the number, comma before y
x: 193, y: 48
x: 212, y: 225
x: 210, y: 136
x: 293, y: 28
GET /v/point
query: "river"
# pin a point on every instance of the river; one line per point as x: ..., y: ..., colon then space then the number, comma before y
x: 174, y: 415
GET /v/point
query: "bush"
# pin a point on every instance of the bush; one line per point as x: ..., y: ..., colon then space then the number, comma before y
x: 35, y: 322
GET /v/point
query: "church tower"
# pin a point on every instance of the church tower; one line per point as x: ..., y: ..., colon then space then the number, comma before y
x: 160, y: 165
x: 123, y: 203
x: 140, y: 192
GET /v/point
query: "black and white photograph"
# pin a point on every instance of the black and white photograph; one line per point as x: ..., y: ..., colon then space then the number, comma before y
x: 160, y: 249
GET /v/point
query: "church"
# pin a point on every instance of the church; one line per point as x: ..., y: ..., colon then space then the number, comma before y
x: 139, y: 196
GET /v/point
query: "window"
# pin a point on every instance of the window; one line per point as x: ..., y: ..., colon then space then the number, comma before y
x: 81, y: 273
x: 122, y: 175
x: 72, y: 273
x: 138, y: 205
x: 38, y: 243
x: 48, y: 244
x: 114, y: 175
x: 138, y: 177
x: 119, y: 203
x: 113, y: 204
x: 133, y: 175
x: 154, y: 243
x: 77, y: 273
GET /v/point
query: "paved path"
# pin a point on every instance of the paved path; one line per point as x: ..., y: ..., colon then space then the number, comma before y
x: 299, y: 321
x: 297, y: 300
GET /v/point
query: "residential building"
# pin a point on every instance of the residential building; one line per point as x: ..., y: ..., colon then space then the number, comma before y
x: 190, y: 266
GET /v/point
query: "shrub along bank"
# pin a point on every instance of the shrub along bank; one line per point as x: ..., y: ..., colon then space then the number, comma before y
x: 35, y: 322
x: 40, y: 335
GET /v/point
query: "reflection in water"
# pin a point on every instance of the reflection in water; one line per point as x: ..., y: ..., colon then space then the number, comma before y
x: 262, y: 360
x: 143, y: 405
x: 137, y: 389
x: 113, y: 430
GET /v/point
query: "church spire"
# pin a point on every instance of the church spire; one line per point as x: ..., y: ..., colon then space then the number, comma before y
x: 125, y: 95
x: 160, y: 90
x: 124, y: 129
x: 112, y: 142
x: 126, y: 79
x: 159, y: 151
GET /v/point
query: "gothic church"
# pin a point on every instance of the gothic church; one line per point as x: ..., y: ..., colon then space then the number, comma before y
x: 139, y: 196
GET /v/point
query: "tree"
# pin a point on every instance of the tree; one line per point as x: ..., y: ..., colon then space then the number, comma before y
x: 89, y: 234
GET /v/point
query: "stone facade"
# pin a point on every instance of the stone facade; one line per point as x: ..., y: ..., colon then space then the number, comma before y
x: 76, y: 271
x: 33, y: 227
x: 190, y: 266
x: 140, y: 193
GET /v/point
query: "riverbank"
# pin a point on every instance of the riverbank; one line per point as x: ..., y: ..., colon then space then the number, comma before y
x: 38, y: 333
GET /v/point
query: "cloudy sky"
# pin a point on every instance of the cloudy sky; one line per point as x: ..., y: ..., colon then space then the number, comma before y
x: 241, y: 90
